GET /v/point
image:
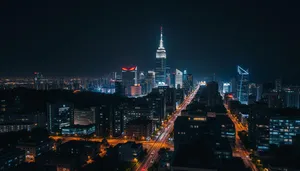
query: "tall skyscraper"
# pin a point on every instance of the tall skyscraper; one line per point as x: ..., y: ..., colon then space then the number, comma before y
x: 160, y: 63
x: 129, y: 78
x: 243, y: 85
x: 178, y: 79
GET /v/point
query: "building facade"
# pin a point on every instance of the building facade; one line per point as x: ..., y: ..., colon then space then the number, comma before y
x: 160, y: 63
x: 59, y: 115
x: 242, y: 85
x: 178, y: 79
x: 129, y: 78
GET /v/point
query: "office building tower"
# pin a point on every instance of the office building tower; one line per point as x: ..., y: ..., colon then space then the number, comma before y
x: 278, y: 85
x: 233, y: 88
x: 129, y: 78
x: 187, y: 82
x: 168, y: 76
x: 109, y: 120
x: 157, y: 103
x: 136, y: 90
x: 284, y: 128
x: 213, y: 96
x: 292, y: 98
x: 150, y: 81
x: 119, y: 87
x: 226, y: 88
x: 259, y: 89
x: 170, y: 95
x: 160, y: 63
x: 190, y: 80
x: 141, y: 77
x: 184, y: 75
x: 178, y: 79
x: 137, y: 108
x: 243, y: 85
x: 59, y: 115
x: 258, y: 126
x: 172, y: 79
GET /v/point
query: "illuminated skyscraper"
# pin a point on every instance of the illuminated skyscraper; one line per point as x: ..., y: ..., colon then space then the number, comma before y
x: 242, y: 85
x: 129, y: 78
x: 160, y: 63
x: 226, y: 88
x: 178, y: 79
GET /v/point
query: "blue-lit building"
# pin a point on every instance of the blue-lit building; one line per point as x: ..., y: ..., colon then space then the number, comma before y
x: 78, y: 130
x: 292, y: 97
x: 242, y: 85
x: 160, y: 63
x: 283, y: 129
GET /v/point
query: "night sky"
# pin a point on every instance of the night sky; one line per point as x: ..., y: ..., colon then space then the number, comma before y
x: 90, y: 39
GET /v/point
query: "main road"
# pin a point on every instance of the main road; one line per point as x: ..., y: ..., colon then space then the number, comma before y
x: 152, y: 155
x: 241, y: 151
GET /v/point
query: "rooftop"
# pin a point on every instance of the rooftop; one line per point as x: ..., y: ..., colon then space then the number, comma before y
x: 194, y: 156
x: 76, y: 144
x: 139, y: 121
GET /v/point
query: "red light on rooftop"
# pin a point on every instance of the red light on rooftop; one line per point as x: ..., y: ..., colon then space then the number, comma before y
x: 132, y: 68
x: 129, y: 68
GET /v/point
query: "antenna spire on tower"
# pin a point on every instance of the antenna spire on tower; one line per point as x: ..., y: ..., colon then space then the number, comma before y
x: 161, y: 38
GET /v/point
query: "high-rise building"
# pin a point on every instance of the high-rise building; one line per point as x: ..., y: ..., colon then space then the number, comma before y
x: 184, y: 75
x: 233, y: 86
x: 160, y: 63
x: 292, y: 98
x: 141, y: 76
x: 150, y: 81
x: 129, y: 78
x: 190, y: 80
x: 168, y: 76
x: 259, y: 89
x: 226, y: 88
x: 243, y: 85
x: 213, y: 96
x: 59, y: 115
x: 119, y: 87
x: 109, y: 120
x: 278, y: 85
x: 178, y: 79
x: 187, y: 82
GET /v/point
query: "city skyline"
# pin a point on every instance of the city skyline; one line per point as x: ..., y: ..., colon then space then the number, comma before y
x: 90, y: 38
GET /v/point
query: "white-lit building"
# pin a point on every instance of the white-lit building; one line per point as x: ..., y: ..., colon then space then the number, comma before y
x: 84, y: 116
x: 226, y: 88
x: 14, y: 127
x: 178, y: 79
